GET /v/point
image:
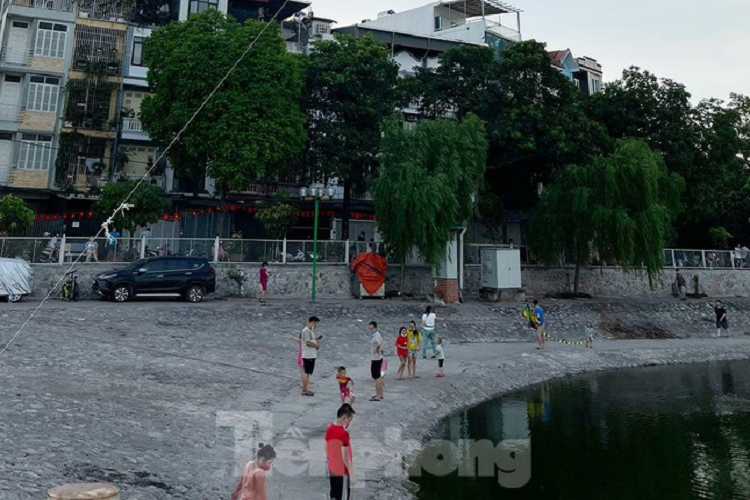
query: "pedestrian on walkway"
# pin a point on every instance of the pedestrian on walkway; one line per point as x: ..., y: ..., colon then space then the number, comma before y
x: 376, y: 360
x: 681, y: 285
x: 263, y: 275
x: 252, y: 484
x: 339, y: 454
x: 440, y: 357
x: 310, y: 347
x: 540, y: 323
x: 721, y: 319
x: 414, y: 344
x: 590, y: 334
x: 402, y: 350
x: 428, y: 325
x: 92, y: 250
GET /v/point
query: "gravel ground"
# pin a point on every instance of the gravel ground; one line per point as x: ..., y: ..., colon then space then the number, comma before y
x: 168, y: 399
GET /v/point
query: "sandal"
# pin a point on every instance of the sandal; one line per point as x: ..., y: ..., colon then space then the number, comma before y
x: 374, y: 398
x: 308, y: 393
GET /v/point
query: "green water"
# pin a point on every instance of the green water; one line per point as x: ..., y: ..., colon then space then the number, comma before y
x: 651, y: 433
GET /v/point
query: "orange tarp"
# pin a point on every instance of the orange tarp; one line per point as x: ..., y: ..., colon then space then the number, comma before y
x: 370, y: 269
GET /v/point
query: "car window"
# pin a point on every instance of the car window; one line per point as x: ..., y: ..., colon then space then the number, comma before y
x: 179, y: 264
x: 156, y: 266
x: 197, y: 263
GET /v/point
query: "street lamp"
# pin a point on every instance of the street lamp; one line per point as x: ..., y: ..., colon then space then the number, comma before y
x: 316, y: 194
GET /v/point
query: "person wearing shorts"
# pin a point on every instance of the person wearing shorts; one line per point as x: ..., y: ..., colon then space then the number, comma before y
x: 310, y: 346
x: 263, y: 278
x: 346, y: 385
x: 721, y: 319
x: 414, y: 344
x: 402, y: 350
x: 376, y: 361
x: 440, y: 357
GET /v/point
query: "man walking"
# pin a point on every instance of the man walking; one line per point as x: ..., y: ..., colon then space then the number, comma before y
x: 376, y: 363
x: 681, y: 285
x: 539, y: 315
x: 310, y: 346
x: 721, y: 319
x: 339, y: 454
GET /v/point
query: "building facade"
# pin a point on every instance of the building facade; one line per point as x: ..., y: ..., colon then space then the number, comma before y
x: 584, y: 71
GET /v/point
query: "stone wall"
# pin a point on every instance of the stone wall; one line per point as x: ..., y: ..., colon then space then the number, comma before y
x: 294, y: 281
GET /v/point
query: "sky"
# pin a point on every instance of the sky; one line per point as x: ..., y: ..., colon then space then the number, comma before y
x: 703, y: 44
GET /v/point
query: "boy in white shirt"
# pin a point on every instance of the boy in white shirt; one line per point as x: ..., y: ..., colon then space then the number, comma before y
x: 440, y: 356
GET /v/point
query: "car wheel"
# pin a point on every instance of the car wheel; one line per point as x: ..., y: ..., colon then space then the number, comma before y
x: 195, y: 293
x: 14, y: 297
x: 121, y: 293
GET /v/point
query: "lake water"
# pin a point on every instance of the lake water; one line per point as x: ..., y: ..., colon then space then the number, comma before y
x: 679, y: 432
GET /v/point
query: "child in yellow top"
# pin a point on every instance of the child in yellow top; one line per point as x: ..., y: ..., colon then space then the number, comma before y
x: 414, y: 344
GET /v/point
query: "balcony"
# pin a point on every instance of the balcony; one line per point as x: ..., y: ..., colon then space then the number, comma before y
x: 502, y: 31
x: 132, y: 129
x: 56, y: 5
x: 15, y: 57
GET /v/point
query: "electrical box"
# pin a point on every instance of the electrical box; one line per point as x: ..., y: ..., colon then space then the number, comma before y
x: 501, y: 268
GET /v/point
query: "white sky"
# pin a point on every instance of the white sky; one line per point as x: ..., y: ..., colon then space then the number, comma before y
x: 704, y: 44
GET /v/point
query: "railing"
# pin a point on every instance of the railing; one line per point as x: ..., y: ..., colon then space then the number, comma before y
x: 18, y: 57
x: 502, y: 31
x: 132, y: 125
x: 59, y: 5
x: 68, y: 249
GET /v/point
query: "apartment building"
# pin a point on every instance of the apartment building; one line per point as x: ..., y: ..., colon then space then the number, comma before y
x: 36, y: 45
x: 585, y: 71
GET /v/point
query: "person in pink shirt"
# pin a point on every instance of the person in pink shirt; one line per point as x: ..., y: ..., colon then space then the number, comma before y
x: 252, y: 484
x: 263, y: 276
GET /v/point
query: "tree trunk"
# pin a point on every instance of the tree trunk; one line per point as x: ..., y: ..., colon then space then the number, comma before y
x: 346, y: 209
x: 577, y: 277
x: 403, y: 273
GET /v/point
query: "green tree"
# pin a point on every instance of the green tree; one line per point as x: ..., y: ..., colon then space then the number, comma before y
x: 278, y: 216
x: 352, y: 87
x: 426, y: 184
x: 14, y: 214
x: 252, y: 126
x: 149, y: 203
x: 620, y: 207
x: 535, y: 117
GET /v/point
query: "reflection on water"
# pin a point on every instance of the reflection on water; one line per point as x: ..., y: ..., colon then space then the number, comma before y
x: 668, y: 433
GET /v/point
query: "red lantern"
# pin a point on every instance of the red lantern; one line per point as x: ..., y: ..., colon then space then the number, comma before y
x: 46, y: 217
x: 54, y: 217
x: 165, y: 216
x: 176, y: 216
x: 200, y: 214
x: 81, y: 214
x: 218, y: 209
x: 65, y: 216
x: 210, y: 210
x: 193, y: 212
x: 91, y: 215
x: 39, y: 218
x: 73, y: 215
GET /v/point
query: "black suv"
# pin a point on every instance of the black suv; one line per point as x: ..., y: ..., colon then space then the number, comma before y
x: 187, y: 277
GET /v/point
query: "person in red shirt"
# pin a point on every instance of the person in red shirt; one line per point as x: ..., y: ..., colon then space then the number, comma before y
x: 339, y: 453
x: 402, y: 349
x: 252, y: 484
x: 263, y: 277
x: 346, y: 384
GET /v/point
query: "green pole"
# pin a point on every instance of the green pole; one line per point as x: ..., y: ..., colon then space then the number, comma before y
x: 315, y: 248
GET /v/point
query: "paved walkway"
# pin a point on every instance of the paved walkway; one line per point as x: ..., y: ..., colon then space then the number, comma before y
x: 169, y: 399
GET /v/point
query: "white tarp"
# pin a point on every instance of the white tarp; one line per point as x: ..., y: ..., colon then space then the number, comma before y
x: 15, y: 277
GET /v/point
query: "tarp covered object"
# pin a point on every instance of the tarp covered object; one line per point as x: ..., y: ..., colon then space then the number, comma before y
x: 370, y: 269
x: 15, y: 277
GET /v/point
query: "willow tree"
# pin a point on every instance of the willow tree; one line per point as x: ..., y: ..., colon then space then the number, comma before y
x: 426, y: 184
x: 620, y: 207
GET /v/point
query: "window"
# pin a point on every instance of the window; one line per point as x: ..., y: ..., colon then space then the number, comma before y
x: 43, y: 93
x: 438, y: 23
x: 36, y: 152
x: 50, y: 40
x: 197, y: 6
x: 20, y: 24
x: 596, y: 85
x: 137, y: 59
x: 157, y: 266
x: 12, y: 78
x: 322, y: 28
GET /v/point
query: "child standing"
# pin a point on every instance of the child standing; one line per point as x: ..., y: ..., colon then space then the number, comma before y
x: 402, y: 350
x: 252, y: 484
x: 345, y: 385
x: 590, y: 334
x: 414, y: 345
x: 263, y: 278
x: 440, y: 356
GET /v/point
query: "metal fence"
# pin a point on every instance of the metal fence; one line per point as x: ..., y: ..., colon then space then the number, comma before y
x: 127, y: 249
